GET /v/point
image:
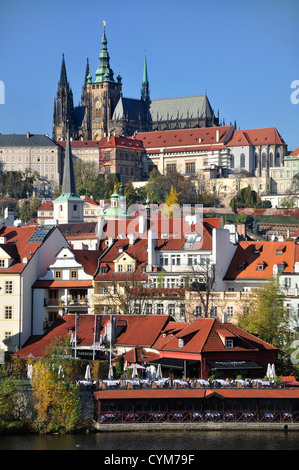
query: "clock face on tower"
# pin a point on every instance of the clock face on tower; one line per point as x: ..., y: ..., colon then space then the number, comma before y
x: 98, y: 104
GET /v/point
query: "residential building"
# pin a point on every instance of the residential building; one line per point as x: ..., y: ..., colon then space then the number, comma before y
x: 124, y: 157
x: 65, y: 288
x: 25, y: 254
x: 35, y: 154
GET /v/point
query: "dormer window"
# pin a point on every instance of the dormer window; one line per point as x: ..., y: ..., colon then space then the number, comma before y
x: 2, y: 263
x: 181, y: 343
x: 261, y: 266
x: 280, y: 250
x: 229, y: 344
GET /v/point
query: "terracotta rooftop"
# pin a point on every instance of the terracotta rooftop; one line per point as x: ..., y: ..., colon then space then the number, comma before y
x: 254, y: 260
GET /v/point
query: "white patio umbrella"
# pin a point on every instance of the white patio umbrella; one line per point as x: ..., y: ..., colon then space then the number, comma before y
x: 126, y: 365
x: 135, y: 371
x: 273, y: 371
x: 110, y: 373
x: 148, y: 372
x: 29, y: 371
x: 87, y: 373
x: 159, y: 372
x: 269, y: 371
x: 60, y: 372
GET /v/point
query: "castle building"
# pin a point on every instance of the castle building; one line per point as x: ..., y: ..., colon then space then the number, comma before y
x: 103, y: 110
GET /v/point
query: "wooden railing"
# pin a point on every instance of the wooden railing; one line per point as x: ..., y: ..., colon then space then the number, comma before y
x: 113, y: 417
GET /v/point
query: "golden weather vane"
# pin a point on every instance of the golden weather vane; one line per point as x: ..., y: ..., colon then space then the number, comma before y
x: 104, y: 24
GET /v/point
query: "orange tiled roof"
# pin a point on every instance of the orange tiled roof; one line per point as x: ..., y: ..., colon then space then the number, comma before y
x: 247, y: 259
x: 195, y: 139
x: 18, y: 237
x: 263, y: 136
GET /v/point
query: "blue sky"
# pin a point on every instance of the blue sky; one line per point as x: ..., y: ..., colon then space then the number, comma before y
x: 244, y: 54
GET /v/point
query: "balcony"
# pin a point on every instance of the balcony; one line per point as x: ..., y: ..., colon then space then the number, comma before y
x: 69, y: 303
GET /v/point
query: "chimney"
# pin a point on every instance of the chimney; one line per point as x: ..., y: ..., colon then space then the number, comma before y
x: 28, y: 135
x: 152, y: 242
x: 142, y: 224
x: 217, y: 135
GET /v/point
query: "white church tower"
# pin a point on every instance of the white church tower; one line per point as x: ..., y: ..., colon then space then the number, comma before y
x: 68, y: 207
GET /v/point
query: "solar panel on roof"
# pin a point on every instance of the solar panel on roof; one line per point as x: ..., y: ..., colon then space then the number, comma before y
x: 40, y: 234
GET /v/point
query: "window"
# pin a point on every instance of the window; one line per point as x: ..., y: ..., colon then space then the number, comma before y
x: 105, y: 290
x: 229, y: 343
x: 198, y: 310
x: 192, y: 260
x: 107, y: 156
x: 8, y: 287
x: 287, y: 282
x: 57, y: 274
x: 160, y: 309
x: 214, y: 311
x: 114, y: 289
x: 181, y: 343
x: 129, y: 268
x: 242, y: 160
x: 148, y: 309
x: 2, y: 263
x: 74, y: 274
x: 8, y: 337
x: 171, y: 309
x: 170, y: 167
x: 190, y: 168
x: 120, y: 268
x: 230, y: 310
x: 8, y: 312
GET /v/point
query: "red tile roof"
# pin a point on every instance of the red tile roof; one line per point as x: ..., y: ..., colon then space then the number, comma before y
x: 140, y: 330
x: 204, y: 335
x: 193, y: 139
x: 124, y: 142
x: 46, y: 206
x: 196, y: 393
x: 264, y: 136
x: 19, y: 246
x: 246, y: 259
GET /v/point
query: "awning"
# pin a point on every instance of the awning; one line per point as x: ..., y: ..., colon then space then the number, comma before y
x: 171, y: 363
x: 234, y: 365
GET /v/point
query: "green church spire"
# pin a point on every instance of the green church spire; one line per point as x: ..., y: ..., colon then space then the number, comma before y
x: 68, y: 182
x: 145, y: 94
x: 104, y: 73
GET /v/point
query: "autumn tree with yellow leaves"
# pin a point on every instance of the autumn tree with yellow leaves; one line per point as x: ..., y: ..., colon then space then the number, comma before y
x: 57, y: 401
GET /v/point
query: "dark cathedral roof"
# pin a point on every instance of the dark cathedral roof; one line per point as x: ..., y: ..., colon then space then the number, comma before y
x: 129, y: 108
x: 79, y: 112
x: 185, y: 107
x: 26, y: 140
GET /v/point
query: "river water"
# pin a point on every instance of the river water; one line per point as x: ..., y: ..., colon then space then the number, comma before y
x: 191, y: 441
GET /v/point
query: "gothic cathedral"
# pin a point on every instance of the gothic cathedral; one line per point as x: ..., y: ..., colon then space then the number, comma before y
x: 103, y: 109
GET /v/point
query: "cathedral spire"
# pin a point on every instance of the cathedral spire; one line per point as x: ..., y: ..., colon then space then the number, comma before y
x: 68, y: 182
x: 104, y: 73
x: 63, y: 77
x: 145, y: 95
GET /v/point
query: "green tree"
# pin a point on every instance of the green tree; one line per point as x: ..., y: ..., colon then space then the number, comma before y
x: 28, y: 209
x: 267, y: 317
x: 85, y: 176
x: 157, y: 186
x: 246, y: 197
x: 7, y: 404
